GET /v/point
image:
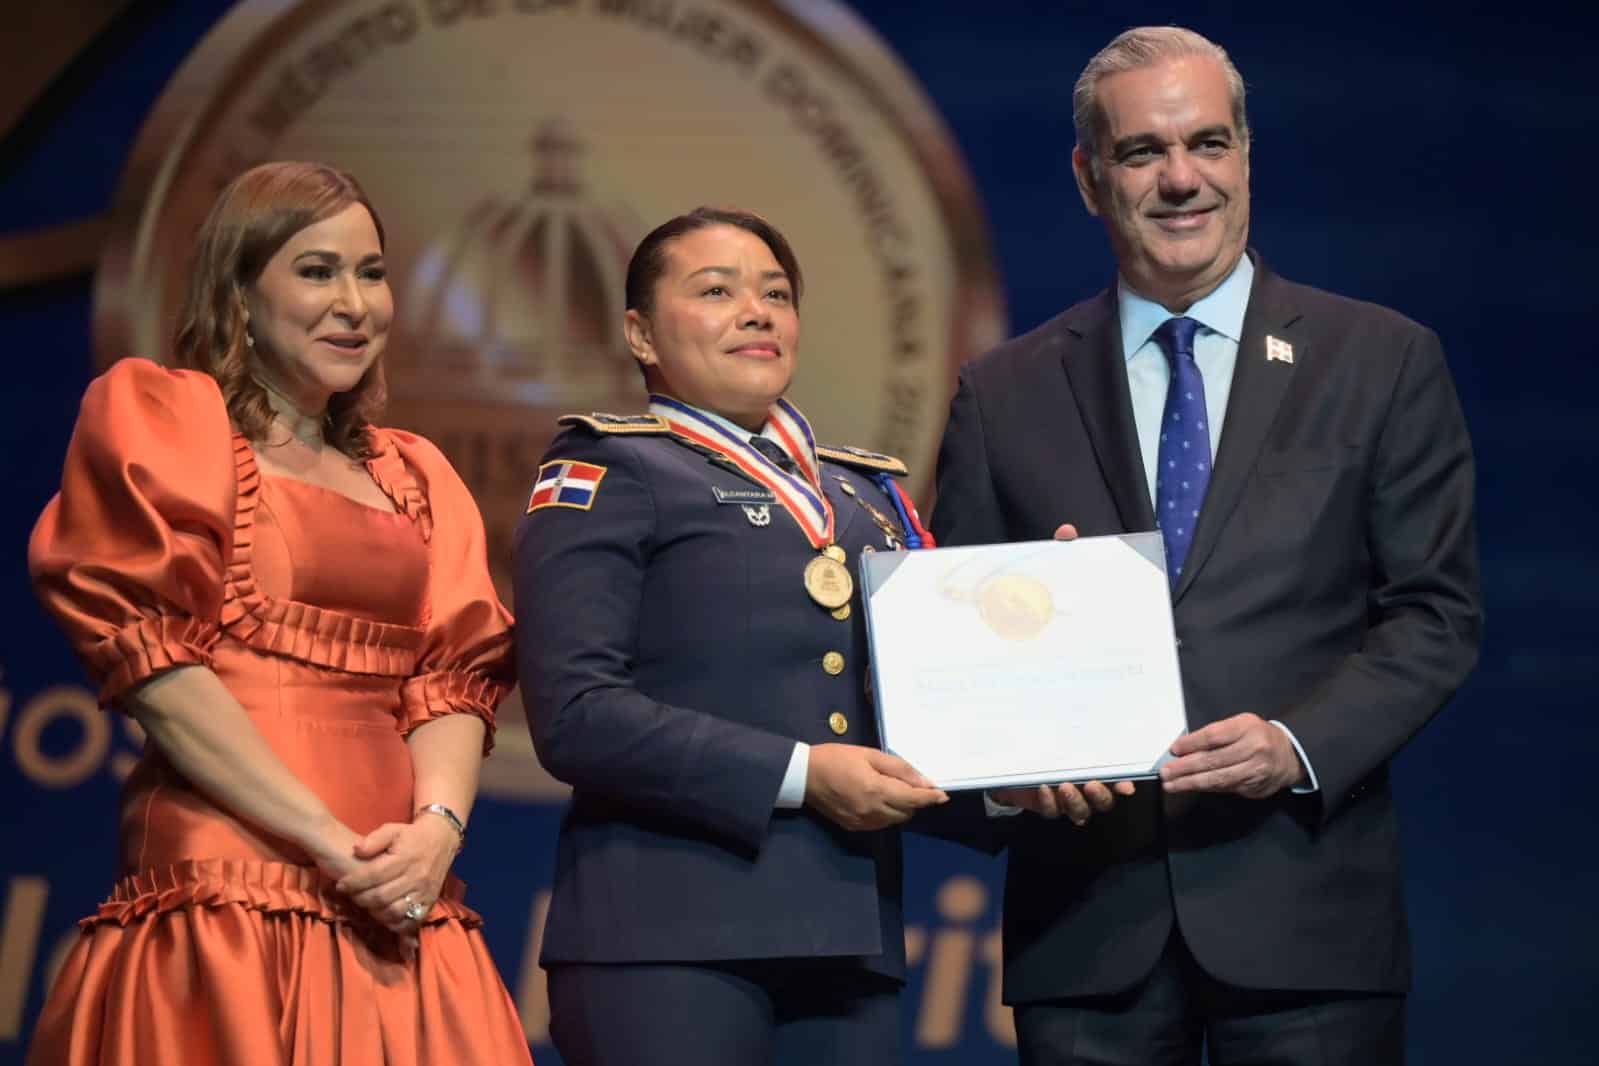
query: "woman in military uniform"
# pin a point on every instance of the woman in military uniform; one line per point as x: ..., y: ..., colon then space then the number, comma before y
x: 727, y: 884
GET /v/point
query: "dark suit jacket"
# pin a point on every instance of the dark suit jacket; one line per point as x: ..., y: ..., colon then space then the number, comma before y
x: 669, y: 659
x: 1332, y: 584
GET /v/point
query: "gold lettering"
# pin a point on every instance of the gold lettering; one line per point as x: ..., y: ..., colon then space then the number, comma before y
x: 915, y: 944
x: 19, y: 942
x: 999, y: 1019
x: 906, y: 307
x: 399, y: 23
x: 745, y: 52
x: 960, y: 901
x: 705, y: 31
x: 900, y: 399
x: 288, y: 98
x: 69, y: 702
x: 326, y: 60
x: 446, y: 12
x: 885, y: 237
x: 302, y: 83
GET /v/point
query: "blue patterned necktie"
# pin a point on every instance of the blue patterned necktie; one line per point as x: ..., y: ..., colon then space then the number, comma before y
x: 1184, y: 454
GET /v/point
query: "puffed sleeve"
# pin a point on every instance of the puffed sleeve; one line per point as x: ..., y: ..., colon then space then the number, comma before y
x: 130, y: 555
x: 466, y: 665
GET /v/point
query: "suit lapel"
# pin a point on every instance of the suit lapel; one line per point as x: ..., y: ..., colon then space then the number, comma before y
x: 1259, y: 386
x: 1098, y: 374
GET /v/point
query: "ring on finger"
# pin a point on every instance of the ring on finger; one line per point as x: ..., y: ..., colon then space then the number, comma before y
x: 415, y: 909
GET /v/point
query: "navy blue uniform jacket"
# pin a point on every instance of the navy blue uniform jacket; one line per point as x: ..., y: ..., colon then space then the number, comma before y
x: 670, y: 657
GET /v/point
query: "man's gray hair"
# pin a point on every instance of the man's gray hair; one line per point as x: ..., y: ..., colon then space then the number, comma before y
x: 1145, y: 46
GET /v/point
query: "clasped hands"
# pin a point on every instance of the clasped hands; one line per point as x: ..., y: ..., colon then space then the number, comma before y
x: 392, y: 872
x: 1244, y: 755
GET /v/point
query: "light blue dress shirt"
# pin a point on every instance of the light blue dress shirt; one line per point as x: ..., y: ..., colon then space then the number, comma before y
x: 1221, y: 328
x: 1221, y: 320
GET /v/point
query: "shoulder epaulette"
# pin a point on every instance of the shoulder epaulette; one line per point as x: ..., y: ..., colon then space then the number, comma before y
x: 862, y: 459
x: 599, y: 422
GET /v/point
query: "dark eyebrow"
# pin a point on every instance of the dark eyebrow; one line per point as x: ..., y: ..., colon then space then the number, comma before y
x: 1137, y: 140
x: 729, y: 271
x: 333, y: 257
x: 1143, y: 140
x: 1223, y: 132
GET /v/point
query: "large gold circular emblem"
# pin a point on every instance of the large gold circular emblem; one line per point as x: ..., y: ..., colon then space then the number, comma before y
x: 1015, y: 607
x: 518, y: 149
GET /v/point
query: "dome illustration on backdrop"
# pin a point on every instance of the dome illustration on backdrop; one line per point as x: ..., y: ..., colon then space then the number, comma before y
x: 520, y: 303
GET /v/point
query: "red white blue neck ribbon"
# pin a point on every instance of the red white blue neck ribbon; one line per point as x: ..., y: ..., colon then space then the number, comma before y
x: 801, y: 495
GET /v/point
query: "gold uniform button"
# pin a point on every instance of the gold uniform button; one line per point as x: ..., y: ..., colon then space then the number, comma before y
x: 838, y: 723
x: 842, y: 613
x: 833, y: 663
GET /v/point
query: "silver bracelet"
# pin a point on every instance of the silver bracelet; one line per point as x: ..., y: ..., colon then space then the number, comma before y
x: 448, y: 815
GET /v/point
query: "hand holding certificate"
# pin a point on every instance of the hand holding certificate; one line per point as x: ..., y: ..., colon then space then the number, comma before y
x: 1019, y: 664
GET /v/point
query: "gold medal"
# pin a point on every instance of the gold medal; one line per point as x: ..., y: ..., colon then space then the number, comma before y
x: 828, y: 582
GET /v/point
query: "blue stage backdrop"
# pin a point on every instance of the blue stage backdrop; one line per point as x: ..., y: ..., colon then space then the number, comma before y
x: 919, y: 154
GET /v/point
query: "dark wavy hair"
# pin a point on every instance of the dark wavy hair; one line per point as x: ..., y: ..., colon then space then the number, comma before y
x: 253, y: 217
x: 649, y: 258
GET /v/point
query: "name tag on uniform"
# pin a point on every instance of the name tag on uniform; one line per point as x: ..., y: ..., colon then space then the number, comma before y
x: 742, y: 495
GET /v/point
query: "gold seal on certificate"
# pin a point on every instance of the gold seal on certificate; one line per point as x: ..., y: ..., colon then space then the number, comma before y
x: 1015, y: 606
x: 828, y: 582
x: 976, y: 634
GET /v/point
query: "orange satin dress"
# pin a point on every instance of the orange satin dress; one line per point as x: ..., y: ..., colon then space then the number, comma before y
x: 340, y: 628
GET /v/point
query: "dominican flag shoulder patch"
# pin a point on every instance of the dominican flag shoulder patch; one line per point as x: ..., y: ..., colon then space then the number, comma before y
x: 566, y: 483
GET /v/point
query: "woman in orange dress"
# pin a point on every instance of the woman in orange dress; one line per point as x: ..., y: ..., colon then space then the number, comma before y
x: 296, y: 607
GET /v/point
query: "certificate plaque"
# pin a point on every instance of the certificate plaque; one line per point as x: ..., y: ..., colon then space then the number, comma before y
x: 1023, y: 664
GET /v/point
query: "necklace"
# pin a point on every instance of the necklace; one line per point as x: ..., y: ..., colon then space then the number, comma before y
x: 312, y: 437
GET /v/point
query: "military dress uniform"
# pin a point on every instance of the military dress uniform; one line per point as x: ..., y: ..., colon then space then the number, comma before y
x: 673, y: 645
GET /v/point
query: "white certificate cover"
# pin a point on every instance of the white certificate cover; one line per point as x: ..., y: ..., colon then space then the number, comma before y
x: 1031, y: 663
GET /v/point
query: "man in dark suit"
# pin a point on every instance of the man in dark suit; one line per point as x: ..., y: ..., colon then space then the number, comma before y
x: 1305, y: 459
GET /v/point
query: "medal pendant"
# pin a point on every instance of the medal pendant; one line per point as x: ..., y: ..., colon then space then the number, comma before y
x: 828, y: 581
